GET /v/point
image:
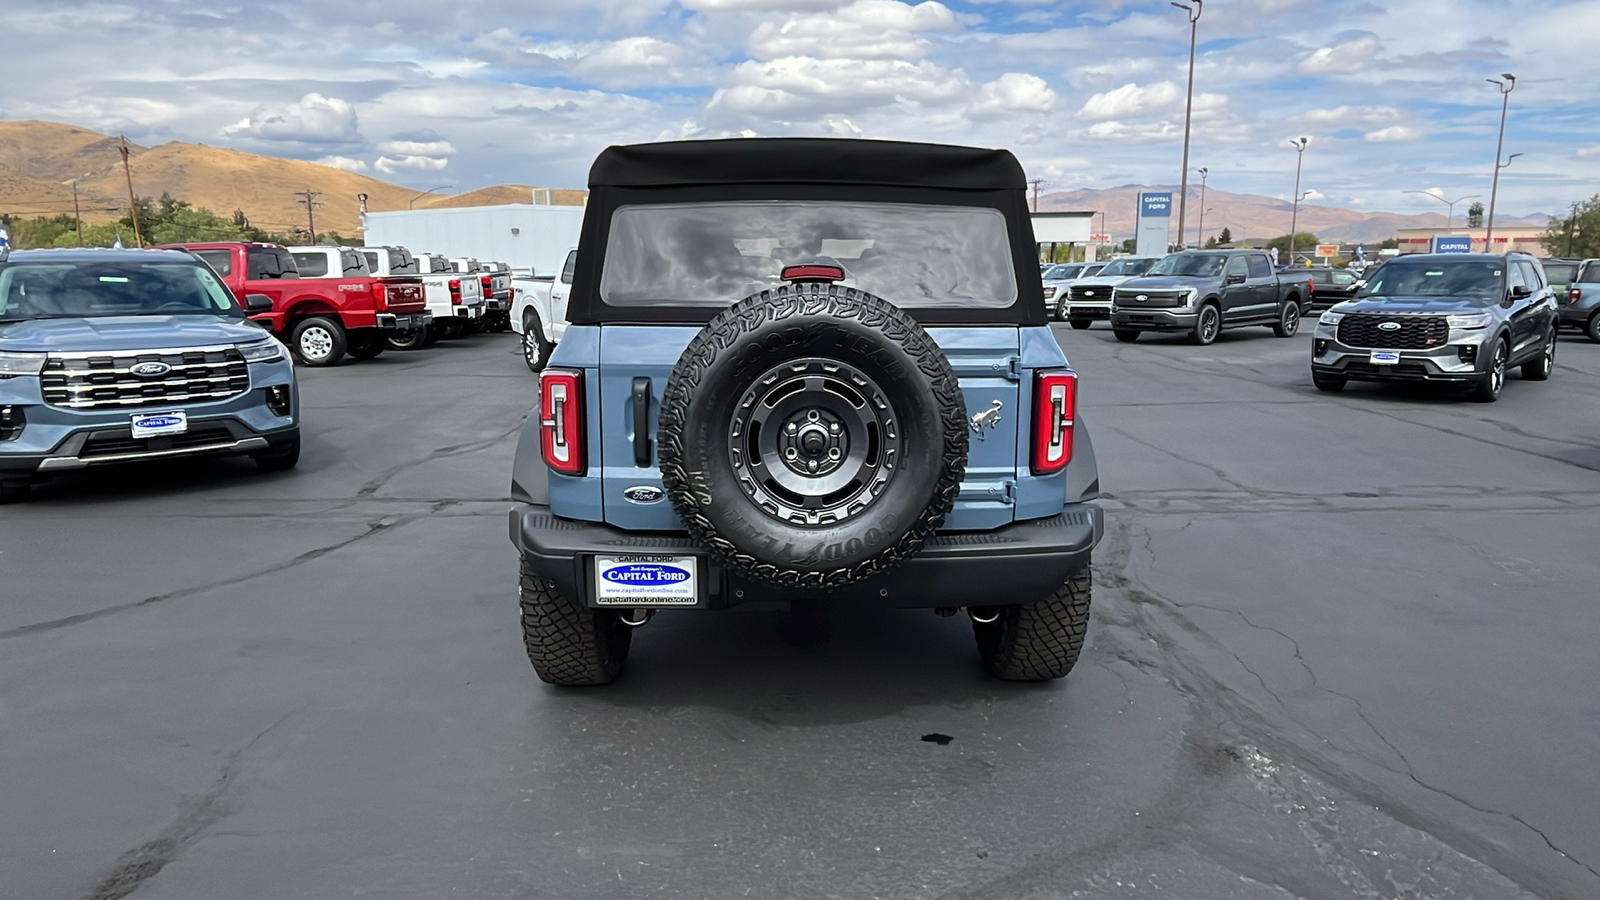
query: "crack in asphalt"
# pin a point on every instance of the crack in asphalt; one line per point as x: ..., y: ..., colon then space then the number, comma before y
x: 1219, y: 473
x: 1117, y: 576
x: 308, y: 556
x: 376, y: 484
x: 1367, y: 408
x: 144, y: 862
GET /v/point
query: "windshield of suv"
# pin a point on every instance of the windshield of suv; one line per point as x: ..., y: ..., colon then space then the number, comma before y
x: 1128, y: 265
x: 58, y: 290
x: 1063, y: 272
x: 712, y: 254
x: 1468, y: 278
x: 1192, y: 265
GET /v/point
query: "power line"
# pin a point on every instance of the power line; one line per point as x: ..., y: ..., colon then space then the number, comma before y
x: 308, y: 199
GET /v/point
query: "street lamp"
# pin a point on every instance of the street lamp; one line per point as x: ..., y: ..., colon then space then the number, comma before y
x: 1299, y: 145
x: 1193, y: 12
x: 412, y: 203
x: 1506, y: 87
x: 1200, y: 231
x: 1450, y: 211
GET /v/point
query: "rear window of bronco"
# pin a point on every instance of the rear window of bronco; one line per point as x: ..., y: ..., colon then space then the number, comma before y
x: 715, y: 253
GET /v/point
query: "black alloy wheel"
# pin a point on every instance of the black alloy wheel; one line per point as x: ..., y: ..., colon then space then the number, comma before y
x: 535, y: 348
x: 1540, y: 367
x: 407, y: 340
x: 1206, y: 325
x: 1490, y: 383
x: 1289, y: 322
x: 1591, y: 328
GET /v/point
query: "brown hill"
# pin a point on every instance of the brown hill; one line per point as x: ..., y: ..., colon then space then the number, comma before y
x: 52, y: 151
x: 1253, y: 215
x: 504, y: 195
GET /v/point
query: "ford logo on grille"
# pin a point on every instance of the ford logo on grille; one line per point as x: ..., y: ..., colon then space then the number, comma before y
x: 1141, y: 297
x: 1388, y: 326
x: 151, y: 369
x: 643, y: 493
x: 645, y: 573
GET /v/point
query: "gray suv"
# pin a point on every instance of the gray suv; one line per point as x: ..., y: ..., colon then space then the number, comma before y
x: 115, y: 356
x: 1461, y: 319
x: 800, y: 369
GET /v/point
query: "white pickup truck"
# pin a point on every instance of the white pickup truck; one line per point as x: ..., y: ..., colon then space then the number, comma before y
x: 450, y: 300
x: 539, y: 311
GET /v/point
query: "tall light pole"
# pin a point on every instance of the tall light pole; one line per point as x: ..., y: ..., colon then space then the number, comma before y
x: 1299, y: 145
x: 1193, y: 12
x: 1450, y: 212
x: 1200, y: 230
x: 412, y: 203
x: 1506, y: 87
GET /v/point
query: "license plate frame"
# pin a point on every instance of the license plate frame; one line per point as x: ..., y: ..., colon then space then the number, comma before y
x: 1385, y: 357
x: 646, y: 581
x: 159, y: 424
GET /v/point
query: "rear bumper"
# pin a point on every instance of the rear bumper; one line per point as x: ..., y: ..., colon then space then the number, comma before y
x: 1015, y: 565
x: 400, y: 323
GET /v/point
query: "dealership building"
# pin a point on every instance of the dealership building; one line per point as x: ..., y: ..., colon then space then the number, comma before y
x: 1522, y: 238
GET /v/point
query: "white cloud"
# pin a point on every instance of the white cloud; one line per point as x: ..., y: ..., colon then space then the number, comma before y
x: 398, y: 147
x: 1132, y: 100
x: 1352, y: 115
x: 1013, y: 92
x: 314, y: 120
x: 1343, y: 58
x: 865, y: 29
x: 1593, y: 150
x: 346, y: 163
x: 1393, y: 133
x: 801, y: 85
x: 397, y: 165
x: 633, y: 61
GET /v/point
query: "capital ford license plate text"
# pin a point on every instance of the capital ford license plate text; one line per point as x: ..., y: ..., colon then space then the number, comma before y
x: 1385, y: 357
x: 646, y: 580
x: 156, y: 424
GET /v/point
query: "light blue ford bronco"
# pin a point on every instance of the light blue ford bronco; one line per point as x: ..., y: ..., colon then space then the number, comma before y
x: 116, y: 356
x: 800, y: 369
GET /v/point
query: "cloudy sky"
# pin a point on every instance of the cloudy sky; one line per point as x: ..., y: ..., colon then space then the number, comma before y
x: 1088, y: 94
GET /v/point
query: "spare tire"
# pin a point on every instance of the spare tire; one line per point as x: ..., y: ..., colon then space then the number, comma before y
x: 812, y: 435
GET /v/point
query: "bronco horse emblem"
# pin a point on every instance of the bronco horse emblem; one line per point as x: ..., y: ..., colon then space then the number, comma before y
x: 986, y: 419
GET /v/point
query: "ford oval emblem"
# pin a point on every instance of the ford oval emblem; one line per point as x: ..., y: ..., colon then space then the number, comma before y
x: 151, y: 369
x: 1389, y: 326
x: 645, y: 573
x: 643, y: 493
x: 1142, y: 297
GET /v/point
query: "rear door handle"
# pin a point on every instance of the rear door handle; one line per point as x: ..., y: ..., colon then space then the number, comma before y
x: 641, y: 422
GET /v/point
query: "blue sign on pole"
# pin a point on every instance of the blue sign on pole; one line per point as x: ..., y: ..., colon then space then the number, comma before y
x: 1452, y: 243
x: 1155, y: 204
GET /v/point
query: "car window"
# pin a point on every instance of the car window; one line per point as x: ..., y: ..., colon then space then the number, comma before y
x: 220, y: 260
x: 353, y: 263
x: 1128, y: 265
x: 86, y: 290
x: 311, y: 264
x: 1530, y: 274
x: 261, y: 262
x: 1560, y: 272
x: 1197, y: 265
x: 401, y: 262
x: 1237, y: 266
x: 1344, y: 278
x: 568, y: 266
x: 1588, y: 274
x: 714, y: 253
x: 1514, y: 277
x: 1259, y: 267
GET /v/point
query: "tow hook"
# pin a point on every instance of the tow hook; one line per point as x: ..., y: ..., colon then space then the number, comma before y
x: 984, y: 615
x: 633, y: 618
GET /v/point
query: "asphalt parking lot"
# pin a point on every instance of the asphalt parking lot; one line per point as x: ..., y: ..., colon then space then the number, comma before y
x: 1342, y: 646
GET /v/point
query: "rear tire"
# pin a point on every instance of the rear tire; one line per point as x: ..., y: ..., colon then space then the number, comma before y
x: 1333, y: 384
x: 366, y: 347
x: 1540, y: 367
x: 1041, y: 641
x: 407, y: 340
x: 1080, y: 324
x: 1592, y: 328
x: 567, y: 643
x: 318, y: 341
x: 1206, y: 326
x: 535, y: 349
x: 1125, y: 335
x: 1289, y: 322
x: 280, y: 460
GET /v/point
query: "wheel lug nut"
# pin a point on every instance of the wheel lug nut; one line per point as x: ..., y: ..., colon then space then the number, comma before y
x: 793, y: 428
x: 811, y: 415
x: 813, y: 465
x: 833, y: 427
x: 790, y: 454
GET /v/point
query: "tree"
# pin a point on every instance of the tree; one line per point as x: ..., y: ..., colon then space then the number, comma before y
x: 1389, y: 243
x: 1576, y: 234
x: 1475, y: 214
x: 1224, y: 236
x: 1211, y: 242
x: 1304, y: 242
x: 1129, y: 245
x: 40, y: 232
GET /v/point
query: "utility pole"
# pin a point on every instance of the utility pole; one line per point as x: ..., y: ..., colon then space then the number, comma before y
x: 1036, y: 182
x: 1193, y: 12
x: 78, y: 216
x: 1506, y: 87
x: 133, y: 205
x: 308, y: 199
x: 1299, y: 145
x: 1200, y: 230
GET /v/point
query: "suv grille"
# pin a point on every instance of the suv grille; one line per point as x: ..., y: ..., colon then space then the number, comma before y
x: 106, y: 380
x: 1414, y: 333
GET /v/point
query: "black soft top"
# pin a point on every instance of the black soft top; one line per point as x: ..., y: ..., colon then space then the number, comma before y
x: 806, y: 161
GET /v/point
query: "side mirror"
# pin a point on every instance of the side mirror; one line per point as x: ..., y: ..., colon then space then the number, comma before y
x: 1233, y: 279
x: 1520, y: 291
x: 257, y: 303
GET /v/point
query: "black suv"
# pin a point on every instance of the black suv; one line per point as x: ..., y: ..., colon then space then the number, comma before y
x: 1454, y: 318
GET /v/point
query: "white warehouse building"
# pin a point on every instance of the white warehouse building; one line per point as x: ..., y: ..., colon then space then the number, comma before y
x: 522, y: 235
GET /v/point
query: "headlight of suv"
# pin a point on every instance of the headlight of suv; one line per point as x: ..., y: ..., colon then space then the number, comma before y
x: 268, y: 350
x: 1330, y: 318
x: 1470, y: 321
x: 20, y: 363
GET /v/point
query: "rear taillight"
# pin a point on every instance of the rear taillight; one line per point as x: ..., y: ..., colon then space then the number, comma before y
x: 380, y: 295
x: 561, y: 420
x: 1311, y: 287
x: 1055, y: 398
x: 488, y: 288
x: 1574, y: 295
x: 455, y: 292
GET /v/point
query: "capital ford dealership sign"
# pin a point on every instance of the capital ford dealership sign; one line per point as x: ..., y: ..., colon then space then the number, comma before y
x: 1155, y: 204
x: 1452, y: 243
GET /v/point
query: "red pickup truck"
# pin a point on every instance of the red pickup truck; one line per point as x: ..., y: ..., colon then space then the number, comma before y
x: 328, y: 313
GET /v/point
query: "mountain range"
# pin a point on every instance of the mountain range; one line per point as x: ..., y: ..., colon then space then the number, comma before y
x: 40, y: 162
